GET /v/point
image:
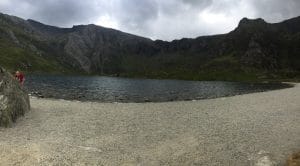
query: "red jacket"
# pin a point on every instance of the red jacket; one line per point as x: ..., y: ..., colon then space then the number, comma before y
x: 20, y: 78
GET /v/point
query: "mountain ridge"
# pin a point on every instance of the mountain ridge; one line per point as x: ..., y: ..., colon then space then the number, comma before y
x: 255, y: 48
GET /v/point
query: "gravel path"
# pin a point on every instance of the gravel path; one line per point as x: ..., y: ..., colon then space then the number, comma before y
x: 252, y: 129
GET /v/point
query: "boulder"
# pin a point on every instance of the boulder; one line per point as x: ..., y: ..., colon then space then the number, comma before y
x: 14, y: 100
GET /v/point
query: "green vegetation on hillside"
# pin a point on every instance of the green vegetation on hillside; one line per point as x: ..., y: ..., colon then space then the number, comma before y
x: 16, y: 58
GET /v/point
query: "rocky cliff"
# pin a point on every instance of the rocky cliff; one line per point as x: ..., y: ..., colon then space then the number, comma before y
x: 14, y: 100
x: 254, y: 47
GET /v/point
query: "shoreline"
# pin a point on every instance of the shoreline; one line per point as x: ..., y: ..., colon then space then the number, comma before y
x: 236, y: 130
x: 289, y: 84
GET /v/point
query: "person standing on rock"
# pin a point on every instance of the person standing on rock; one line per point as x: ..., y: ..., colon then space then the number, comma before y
x: 20, y: 77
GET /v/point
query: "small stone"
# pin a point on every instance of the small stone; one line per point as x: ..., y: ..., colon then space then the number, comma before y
x: 265, y: 161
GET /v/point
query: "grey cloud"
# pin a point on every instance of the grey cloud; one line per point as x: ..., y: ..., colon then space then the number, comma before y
x: 163, y: 19
x: 182, y: 7
x: 276, y: 10
x: 55, y: 12
x: 64, y: 12
x: 225, y: 6
x: 136, y: 13
x: 198, y: 3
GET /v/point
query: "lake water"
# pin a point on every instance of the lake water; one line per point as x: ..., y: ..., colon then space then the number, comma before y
x: 110, y: 89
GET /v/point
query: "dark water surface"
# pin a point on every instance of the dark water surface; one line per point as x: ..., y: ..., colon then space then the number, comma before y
x: 110, y: 89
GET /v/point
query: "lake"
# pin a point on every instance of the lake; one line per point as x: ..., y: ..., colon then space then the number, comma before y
x: 112, y: 89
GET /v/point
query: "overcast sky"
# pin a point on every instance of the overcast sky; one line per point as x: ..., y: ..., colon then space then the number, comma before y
x: 156, y: 19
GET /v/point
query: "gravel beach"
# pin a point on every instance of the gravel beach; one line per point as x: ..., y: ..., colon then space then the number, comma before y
x: 252, y: 129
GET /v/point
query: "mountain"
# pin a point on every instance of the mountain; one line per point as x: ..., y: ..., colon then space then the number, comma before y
x: 254, y: 50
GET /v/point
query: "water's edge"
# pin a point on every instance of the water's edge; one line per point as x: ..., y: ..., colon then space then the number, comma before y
x: 110, y: 89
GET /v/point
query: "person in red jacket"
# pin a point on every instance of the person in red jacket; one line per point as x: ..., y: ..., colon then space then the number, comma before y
x: 20, y: 77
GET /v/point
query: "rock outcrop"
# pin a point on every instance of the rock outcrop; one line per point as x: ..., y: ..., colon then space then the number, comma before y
x: 14, y: 100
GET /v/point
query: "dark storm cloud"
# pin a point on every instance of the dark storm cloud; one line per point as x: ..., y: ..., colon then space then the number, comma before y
x: 164, y: 19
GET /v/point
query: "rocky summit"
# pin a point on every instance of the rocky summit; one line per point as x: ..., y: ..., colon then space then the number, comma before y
x: 14, y: 100
x: 255, y: 49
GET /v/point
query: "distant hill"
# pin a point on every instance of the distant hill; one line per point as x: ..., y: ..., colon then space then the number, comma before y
x: 254, y: 50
